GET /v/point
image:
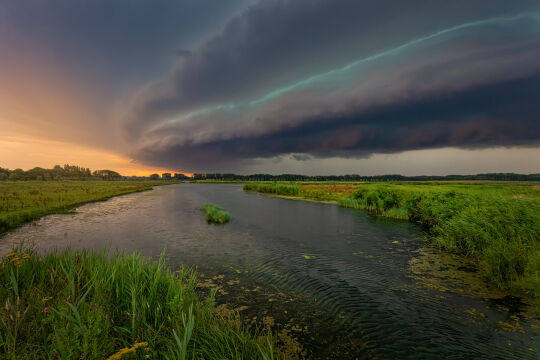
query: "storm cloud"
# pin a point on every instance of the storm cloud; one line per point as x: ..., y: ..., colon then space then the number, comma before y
x: 347, y: 78
x: 211, y: 85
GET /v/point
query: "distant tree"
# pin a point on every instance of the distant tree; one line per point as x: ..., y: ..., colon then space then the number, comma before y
x: 17, y: 174
x: 178, y: 176
x: 166, y: 176
x: 4, y: 174
x: 154, y: 176
x: 106, y: 174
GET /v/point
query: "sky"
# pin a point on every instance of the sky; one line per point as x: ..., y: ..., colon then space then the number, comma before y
x: 418, y: 87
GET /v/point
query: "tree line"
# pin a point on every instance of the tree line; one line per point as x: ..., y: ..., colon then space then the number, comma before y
x: 80, y: 173
x: 354, y: 177
x: 58, y: 172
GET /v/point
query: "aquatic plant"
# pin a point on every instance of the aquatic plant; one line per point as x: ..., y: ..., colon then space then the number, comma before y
x: 97, y: 305
x: 215, y: 214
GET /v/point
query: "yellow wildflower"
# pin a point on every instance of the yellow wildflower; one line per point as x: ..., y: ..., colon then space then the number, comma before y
x: 13, y: 259
x: 10, y: 255
x: 45, y: 299
x: 147, y: 356
x: 25, y: 256
x: 125, y: 352
x: 147, y: 349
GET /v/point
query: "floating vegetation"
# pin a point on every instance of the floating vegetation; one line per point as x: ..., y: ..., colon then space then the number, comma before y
x: 515, y: 327
x: 443, y: 271
x: 215, y: 214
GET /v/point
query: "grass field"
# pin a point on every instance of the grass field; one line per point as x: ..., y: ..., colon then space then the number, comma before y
x: 94, y: 305
x: 24, y: 201
x: 496, y: 223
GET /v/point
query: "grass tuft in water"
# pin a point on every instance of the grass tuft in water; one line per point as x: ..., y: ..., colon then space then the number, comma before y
x: 215, y: 214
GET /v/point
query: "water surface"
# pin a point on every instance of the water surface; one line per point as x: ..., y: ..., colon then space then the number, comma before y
x: 337, y: 279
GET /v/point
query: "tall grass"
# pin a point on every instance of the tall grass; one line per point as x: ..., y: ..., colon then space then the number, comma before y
x: 215, y: 214
x: 497, y: 224
x: 278, y: 189
x: 24, y: 201
x: 94, y: 305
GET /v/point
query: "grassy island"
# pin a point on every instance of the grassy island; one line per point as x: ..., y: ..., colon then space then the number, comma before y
x: 215, y: 214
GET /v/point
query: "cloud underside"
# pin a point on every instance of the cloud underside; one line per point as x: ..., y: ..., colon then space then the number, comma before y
x: 337, y: 78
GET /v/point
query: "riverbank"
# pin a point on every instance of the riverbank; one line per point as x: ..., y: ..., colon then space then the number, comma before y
x: 496, y: 225
x: 95, y: 305
x: 25, y: 201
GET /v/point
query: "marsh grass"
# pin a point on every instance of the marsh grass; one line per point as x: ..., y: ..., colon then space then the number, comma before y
x: 24, y: 201
x: 215, y: 214
x: 96, y: 305
x: 273, y: 188
x: 497, y: 224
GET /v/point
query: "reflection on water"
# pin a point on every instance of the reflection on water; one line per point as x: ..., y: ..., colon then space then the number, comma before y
x: 335, y: 278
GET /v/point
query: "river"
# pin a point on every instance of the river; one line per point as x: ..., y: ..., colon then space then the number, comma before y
x: 335, y: 279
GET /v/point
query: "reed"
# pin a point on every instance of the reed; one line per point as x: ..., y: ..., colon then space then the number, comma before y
x: 98, y: 305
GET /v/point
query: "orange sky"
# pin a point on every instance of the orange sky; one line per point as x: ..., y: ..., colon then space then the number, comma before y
x: 27, y: 152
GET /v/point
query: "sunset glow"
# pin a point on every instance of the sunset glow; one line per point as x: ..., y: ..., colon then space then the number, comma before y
x: 27, y: 153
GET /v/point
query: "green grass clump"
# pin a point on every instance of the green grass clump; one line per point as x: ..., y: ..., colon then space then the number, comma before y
x: 24, y: 201
x: 94, y: 305
x: 215, y: 214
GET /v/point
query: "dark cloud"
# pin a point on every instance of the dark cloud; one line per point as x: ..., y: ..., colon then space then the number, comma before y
x: 301, y: 157
x: 278, y: 42
x: 491, y: 115
x: 347, y: 79
x: 183, y: 52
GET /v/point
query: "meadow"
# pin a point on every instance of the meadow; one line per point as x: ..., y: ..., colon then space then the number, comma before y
x: 95, y: 305
x: 24, y: 201
x: 497, y: 224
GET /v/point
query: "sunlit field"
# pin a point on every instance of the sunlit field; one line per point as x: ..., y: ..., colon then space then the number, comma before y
x: 24, y: 201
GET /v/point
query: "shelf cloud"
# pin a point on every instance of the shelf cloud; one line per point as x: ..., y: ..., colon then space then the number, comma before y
x: 214, y: 85
x: 348, y: 79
